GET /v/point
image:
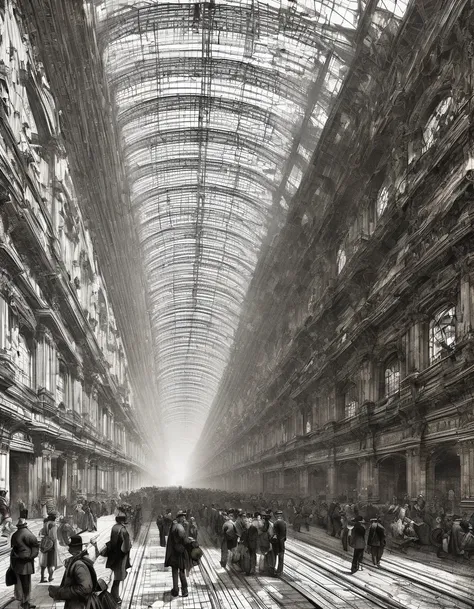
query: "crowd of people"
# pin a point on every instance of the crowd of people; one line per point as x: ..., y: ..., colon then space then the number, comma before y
x: 250, y: 531
x: 79, y: 587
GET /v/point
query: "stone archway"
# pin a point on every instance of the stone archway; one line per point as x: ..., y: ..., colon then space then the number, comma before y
x: 347, y: 481
x: 19, y: 481
x: 444, y: 477
x: 317, y: 483
x: 393, y: 478
x: 290, y: 481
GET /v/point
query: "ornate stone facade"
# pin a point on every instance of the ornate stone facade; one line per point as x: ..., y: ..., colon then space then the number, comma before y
x: 66, y: 421
x: 359, y: 363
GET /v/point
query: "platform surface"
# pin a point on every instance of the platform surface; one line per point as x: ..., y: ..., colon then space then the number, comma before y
x: 314, y: 577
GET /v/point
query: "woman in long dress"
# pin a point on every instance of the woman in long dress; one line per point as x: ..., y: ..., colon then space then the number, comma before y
x: 50, y: 560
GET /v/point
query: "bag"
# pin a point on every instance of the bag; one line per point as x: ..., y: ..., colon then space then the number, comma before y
x: 105, y: 550
x: 10, y: 577
x: 196, y: 554
x: 237, y: 553
x: 106, y: 600
x: 245, y: 560
x: 46, y: 544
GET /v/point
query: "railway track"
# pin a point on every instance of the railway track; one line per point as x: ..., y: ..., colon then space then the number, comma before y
x: 308, y: 566
x: 415, y: 575
x: 136, y: 573
x: 312, y: 579
x: 258, y: 594
x: 327, y: 584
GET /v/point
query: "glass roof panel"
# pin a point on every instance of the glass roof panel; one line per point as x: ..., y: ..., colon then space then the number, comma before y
x: 220, y: 105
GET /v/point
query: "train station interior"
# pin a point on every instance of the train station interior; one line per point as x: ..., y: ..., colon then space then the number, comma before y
x: 236, y: 252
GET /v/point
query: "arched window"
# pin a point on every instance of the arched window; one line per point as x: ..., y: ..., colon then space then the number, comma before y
x: 382, y: 201
x: 351, y: 402
x: 442, y: 332
x: 436, y: 122
x: 341, y: 259
x: 391, y: 376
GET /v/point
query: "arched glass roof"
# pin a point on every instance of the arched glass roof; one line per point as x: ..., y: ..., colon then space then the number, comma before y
x: 220, y: 106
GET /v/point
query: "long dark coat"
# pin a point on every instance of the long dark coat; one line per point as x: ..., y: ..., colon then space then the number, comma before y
x: 176, y: 553
x: 376, y: 536
x: 279, y: 538
x: 118, y: 558
x: 78, y: 583
x: 25, y: 548
x: 358, y: 536
x: 167, y: 524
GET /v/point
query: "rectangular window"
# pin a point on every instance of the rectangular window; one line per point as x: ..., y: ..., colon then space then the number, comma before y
x: 24, y: 362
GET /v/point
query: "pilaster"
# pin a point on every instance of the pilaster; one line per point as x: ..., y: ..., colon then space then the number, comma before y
x: 416, y: 472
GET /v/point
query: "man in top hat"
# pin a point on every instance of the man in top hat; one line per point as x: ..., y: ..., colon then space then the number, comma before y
x: 25, y: 548
x: 357, y: 542
x: 79, y: 580
x: 176, y: 555
x: 240, y: 523
x: 118, y: 556
x: 266, y: 533
x: 376, y: 540
x: 278, y: 540
x: 249, y: 539
x: 229, y: 539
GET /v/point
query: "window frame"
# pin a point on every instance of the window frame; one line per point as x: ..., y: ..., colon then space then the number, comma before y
x: 435, y: 354
x: 393, y: 380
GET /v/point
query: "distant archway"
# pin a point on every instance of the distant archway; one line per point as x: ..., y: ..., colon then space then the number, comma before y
x: 445, y: 466
x: 393, y: 478
x: 317, y: 481
x: 348, y: 481
x: 290, y: 481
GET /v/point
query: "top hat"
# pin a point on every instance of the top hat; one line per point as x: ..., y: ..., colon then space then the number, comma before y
x: 21, y: 522
x: 24, y: 514
x: 75, y: 541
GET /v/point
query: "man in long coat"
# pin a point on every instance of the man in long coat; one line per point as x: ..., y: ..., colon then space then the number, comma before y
x: 358, y: 543
x: 79, y: 580
x: 167, y: 524
x: 176, y: 555
x: 278, y: 540
x: 25, y: 548
x: 118, y: 556
x: 229, y: 539
x: 376, y: 540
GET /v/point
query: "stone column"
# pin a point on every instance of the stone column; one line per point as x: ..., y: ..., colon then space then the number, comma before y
x: 416, y: 472
x: 65, y: 480
x: 46, y: 476
x: 466, y: 293
x: 369, y: 382
x: 367, y: 473
x: 303, y: 486
x: 417, y: 346
x: 85, y: 478
x: 467, y: 470
x: 331, y: 482
x: 5, y: 466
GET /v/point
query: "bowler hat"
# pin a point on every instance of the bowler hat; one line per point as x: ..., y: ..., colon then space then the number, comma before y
x: 180, y: 513
x: 278, y: 513
x: 75, y: 541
